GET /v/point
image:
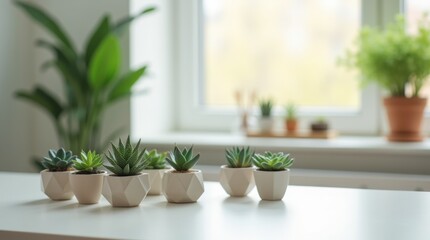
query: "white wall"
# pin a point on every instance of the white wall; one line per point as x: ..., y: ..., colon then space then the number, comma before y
x: 24, y: 130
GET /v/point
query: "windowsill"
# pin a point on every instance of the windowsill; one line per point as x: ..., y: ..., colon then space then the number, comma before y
x: 344, y: 153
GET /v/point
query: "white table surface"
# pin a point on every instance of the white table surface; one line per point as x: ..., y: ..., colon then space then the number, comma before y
x: 304, y: 213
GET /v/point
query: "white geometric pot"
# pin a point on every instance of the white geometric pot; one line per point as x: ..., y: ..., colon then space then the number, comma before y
x: 155, y: 176
x: 271, y: 185
x: 237, y: 182
x: 56, y: 185
x: 265, y: 124
x: 87, y: 187
x: 183, y: 187
x: 125, y: 191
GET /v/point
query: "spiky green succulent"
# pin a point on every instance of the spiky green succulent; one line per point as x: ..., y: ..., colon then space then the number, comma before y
x: 266, y: 106
x: 58, y: 161
x: 154, y: 160
x: 272, y: 161
x: 239, y: 157
x: 125, y: 160
x: 291, y: 111
x: 182, y: 161
x: 88, y: 162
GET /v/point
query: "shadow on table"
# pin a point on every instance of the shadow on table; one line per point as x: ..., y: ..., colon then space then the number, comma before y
x: 37, y: 202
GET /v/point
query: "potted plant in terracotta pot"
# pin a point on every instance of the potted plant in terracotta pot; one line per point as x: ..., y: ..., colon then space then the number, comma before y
x: 182, y: 184
x: 55, y: 178
x: 237, y: 176
x: 155, y: 166
x: 87, y: 181
x: 272, y: 174
x: 291, y: 121
x: 399, y: 63
x: 266, y: 120
x: 320, y: 124
x: 127, y: 186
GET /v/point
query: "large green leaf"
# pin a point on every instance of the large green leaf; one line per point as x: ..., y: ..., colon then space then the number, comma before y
x: 102, y: 30
x: 46, y: 21
x: 124, y: 85
x: 123, y: 23
x: 43, y: 99
x: 106, y: 63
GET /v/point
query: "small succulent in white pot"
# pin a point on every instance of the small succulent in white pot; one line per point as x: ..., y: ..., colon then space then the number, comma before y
x: 155, y: 166
x: 87, y: 181
x: 182, y: 184
x: 127, y: 186
x: 237, y: 176
x: 266, y: 120
x: 272, y: 174
x: 55, y: 178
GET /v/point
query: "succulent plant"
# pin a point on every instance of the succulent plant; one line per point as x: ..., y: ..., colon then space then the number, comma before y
x: 266, y: 106
x: 272, y: 161
x: 88, y: 163
x: 58, y: 161
x: 239, y: 157
x: 125, y: 160
x: 291, y: 111
x: 154, y: 160
x: 183, y: 160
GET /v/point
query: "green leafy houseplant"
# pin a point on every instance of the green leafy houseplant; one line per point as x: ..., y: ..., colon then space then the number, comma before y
x: 266, y: 106
x: 392, y: 58
x: 182, y: 161
x: 125, y: 160
x: 154, y: 160
x: 88, y: 163
x: 91, y: 79
x: 272, y: 161
x: 239, y: 157
x: 291, y: 111
x: 58, y: 161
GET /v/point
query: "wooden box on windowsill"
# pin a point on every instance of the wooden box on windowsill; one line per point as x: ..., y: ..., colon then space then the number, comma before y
x: 299, y: 134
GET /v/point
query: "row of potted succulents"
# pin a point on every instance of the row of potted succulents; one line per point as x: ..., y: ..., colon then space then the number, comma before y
x: 136, y: 173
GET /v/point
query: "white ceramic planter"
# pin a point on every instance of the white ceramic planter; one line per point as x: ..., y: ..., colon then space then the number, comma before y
x: 155, y: 176
x: 237, y: 182
x: 87, y: 187
x: 56, y: 185
x: 271, y: 185
x: 265, y: 124
x: 125, y: 191
x: 183, y: 187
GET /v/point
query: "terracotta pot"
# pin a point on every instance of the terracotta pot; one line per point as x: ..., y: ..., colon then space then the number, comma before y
x: 125, y: 191
x: 405, y: 117
x: 265, y: 124
x: 271, y: 185
x: 291, y: 125
x: 237, y: 182
x: 56, y: 185
x: 87, y: 187
x: 155, y: 176
x: 183, y: 187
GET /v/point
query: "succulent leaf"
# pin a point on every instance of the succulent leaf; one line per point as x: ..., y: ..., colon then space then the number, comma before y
x: 182, y: 161
x: 239, y: 157
x: 59, y: 160
x: 272, y: 161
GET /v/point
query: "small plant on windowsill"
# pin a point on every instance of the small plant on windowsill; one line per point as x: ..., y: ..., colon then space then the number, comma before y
x: 173, y: 188
x: 127, y: 186
x: 237, y: 176
x: 266, y: 120
x: 87, y: 181
x: 58, y: 166
x: 396, y: 60
x: 291, y: 120
x: 320, y: 124
x: 155, y: 166
x: 272, y: 174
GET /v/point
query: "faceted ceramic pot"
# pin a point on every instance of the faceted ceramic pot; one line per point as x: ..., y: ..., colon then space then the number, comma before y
x: 271, y: 185
x: 237, y: 182
x: 125, y: 191
x: 155, y: 176
x: 183, y: 187
x: 87, y: 187
x: 56, y: 185
x: 405, y: 117
x: 266, y: 124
